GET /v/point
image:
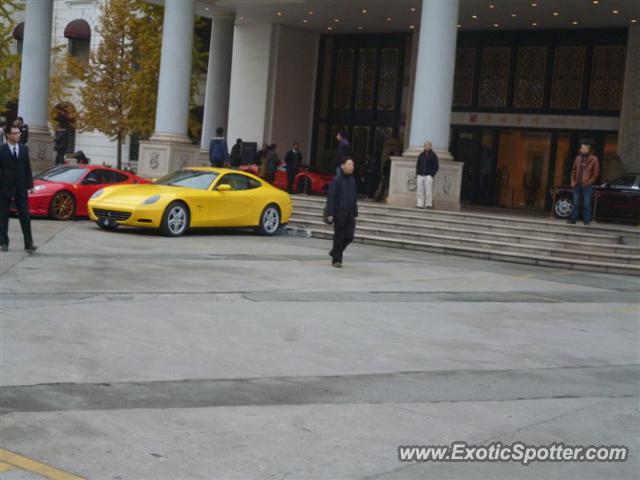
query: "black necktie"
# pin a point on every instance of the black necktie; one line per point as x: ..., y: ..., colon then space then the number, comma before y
x: 15, y: 152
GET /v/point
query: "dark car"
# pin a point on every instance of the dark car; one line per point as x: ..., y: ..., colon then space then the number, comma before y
x: 618, y: 199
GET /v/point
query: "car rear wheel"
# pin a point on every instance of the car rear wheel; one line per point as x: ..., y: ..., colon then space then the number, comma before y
x: 175, y: 220
x: 304, y: 185
x: 63, y: 206
x: 563, y: 207
x: 269, y: 220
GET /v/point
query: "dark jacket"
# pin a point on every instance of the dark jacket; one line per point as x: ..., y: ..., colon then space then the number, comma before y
x: 272, y: 162
x: 292, y: 160
x: 61, y: 140
x: 15, y: 176
x: 221, y: 152
x: 24, y: 134
x: 427, y: 164
x: 342, y: 200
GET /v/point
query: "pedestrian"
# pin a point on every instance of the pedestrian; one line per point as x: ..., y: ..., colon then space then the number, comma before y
x: 261, y: 160
x: 81, y: 158
x: 24, y: 130
x: 292, y: 160
x: 426, y: 168
x: 218, y: 149
x: 16, y: 180
x: 342, y: 210
x: 60, y: 144
x: 235, y: 158
x: 271, y: 164
x: 342, y: 151
x: 585, y: 172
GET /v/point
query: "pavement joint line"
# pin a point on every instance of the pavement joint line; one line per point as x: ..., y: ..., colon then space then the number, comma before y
x: 33, y: 466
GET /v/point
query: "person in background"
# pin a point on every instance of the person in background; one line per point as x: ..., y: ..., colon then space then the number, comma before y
x: 24, y: 130
x: 218, y: 149
x: 60, y: 144
x: 426, y: 168
x: 235, y: 159
x: 342, y: 210
x: 342, y: 151
x: 585, y: 172
x: 293, y: 160
x: 271, y: 164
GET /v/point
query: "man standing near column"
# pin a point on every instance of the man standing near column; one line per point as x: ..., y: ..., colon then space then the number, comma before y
x: 585, y: 172
x: 426, y: 168
x: 16, y: 180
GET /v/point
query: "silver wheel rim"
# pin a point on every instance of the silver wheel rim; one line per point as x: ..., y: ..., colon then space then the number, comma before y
x: 177, y: 220
x: 563, y: 208
x: 271, y: 220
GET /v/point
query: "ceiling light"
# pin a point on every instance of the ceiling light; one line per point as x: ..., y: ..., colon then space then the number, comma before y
x: 534, y: 4
x: 595, y: 2
x: 412, y: 27
x: 535, y: 24
x: 241, y: 18
x: 574, y: 22
x: 306, y: 21
x: 474, y: 17
x: 279, y: 14
x: 388, y: 19
x: 206, y: 8
x: 492, y: 6
x: 634, y: 20
x: 615, y: 12
x: 329, y: 28
x: 514, y: 15
x: 364, y: 10
x: 359, y: 28
x: 459, y: 26
x: 336, y: 20
x: 496, y: 24
x: 555, y: 14
x: 413, y: 9
x: 310, y: 12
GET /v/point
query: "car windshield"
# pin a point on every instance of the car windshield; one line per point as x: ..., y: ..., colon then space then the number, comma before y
x: 189, y: 179
x: 62, y: 174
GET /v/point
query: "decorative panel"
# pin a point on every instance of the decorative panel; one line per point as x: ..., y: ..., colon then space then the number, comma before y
x: 365, y: 79
x: 494, y: 76
x: 531, y: 71
x: 344, y: 79
x: 388, y: 84
x: 607, y: 77
x: 568, y: 74
x: 360, y: 143
x: 464, y: 76
x: 382, y: 134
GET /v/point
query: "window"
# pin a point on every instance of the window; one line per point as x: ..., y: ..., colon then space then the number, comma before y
x: 99, y: 176
x: 62, y: 174
x: 189, y: 179
x: 627, y: 181
x: 238, y: 181
x: 119, y: 177
x: 79, y: 34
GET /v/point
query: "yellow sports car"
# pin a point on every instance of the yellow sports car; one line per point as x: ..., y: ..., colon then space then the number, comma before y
x: 192, y: 198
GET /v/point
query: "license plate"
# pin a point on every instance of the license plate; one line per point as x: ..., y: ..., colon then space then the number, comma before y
x: 107, y: 222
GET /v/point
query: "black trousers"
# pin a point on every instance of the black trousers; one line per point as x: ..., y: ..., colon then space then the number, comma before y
x: 344, y: 229
x: 59, y: 157
x: 22, y: 206
x: 291, y: 176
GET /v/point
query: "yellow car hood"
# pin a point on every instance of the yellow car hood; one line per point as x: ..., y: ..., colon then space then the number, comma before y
x: 133, y: 195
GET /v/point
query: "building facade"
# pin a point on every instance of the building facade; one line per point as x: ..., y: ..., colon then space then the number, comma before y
x: 505, y: 91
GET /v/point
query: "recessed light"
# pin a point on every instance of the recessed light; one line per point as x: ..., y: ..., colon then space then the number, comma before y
x: 336, y: 20
x: 615, y: 12
x: 492, y: 6
x: 310, y: 12
x: 459, y: 26
x: 329, y: 28
x: 595, y: 2
x: 306, y: 21
x: 514, y: 15
x: 634, y: 20
x: 474, y: 17
x: 412, y: 27
x: 206, y: 8
x: 534, y: 4
x: 555, y: 14
x: 279, y: 14
x: 389, y: 19
x: 413, y: 9
x: 496, y: 24
x: 364, y: 10
x: 534, y: 24
x: 359, y: 28
x: 574, y: 22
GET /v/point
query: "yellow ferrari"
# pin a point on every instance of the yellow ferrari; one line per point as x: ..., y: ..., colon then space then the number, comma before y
x: 193, y: 198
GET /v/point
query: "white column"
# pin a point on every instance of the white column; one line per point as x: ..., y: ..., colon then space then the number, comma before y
x: 431, y: 109
x: 172, y: 114
x: 34, y: 76
x: 433, y: 91
x: 216, y: 102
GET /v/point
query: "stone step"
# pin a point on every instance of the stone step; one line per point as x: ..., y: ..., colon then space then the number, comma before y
x: 576, y: 233
x: 485, y: 245
x: 541, y: 239
x: 325, y: 232
x: 630, y: 233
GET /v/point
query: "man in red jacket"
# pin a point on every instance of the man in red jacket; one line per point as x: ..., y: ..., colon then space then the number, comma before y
x: 585, y: 172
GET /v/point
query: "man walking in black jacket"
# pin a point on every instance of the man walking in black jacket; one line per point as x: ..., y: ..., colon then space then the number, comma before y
x: 426, y: 168
x: 16, y: 180
x: 342, y: 210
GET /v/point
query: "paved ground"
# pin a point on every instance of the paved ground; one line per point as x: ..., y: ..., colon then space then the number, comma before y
x: 131, y: 356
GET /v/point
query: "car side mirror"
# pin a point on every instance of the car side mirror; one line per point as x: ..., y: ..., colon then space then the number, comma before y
x: 224, y: 188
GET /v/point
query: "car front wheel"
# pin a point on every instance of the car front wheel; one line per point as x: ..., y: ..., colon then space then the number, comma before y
x: 175, y: 220
x: 269, y: 220
x: 63, y: 206
x: 563, y: 207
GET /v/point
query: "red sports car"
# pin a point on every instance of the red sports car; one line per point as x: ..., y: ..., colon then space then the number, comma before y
x: 63, y: 191
x: 306, y: 180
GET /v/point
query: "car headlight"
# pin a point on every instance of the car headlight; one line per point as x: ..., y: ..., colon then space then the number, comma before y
x: 38, y: 188
x: 151, y: 200
x: 97, y: 194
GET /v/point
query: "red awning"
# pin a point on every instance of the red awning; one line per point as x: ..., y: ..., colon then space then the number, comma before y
x: 18, y: 32
x: 78, y: 30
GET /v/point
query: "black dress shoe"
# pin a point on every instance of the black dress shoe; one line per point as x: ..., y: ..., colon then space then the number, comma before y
x: 4, y: 248
x: 31, y: 249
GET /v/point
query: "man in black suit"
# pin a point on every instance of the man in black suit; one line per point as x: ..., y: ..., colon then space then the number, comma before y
x: 16, y: 180
x: 292, y: 160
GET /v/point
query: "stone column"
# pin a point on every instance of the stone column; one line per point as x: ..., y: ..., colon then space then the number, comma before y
x: 216, y: 102
x: 629, y: 135
x: 33, y: 104
x: 431, y: 109
x: 170, y: 148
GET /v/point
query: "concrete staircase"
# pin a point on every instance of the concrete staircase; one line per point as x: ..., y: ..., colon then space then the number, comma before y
x: 607, y: 248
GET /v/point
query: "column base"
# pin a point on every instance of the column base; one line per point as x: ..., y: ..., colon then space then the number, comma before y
x: 40, y: 146
x: 158, y: 158
x: 446, y: 188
